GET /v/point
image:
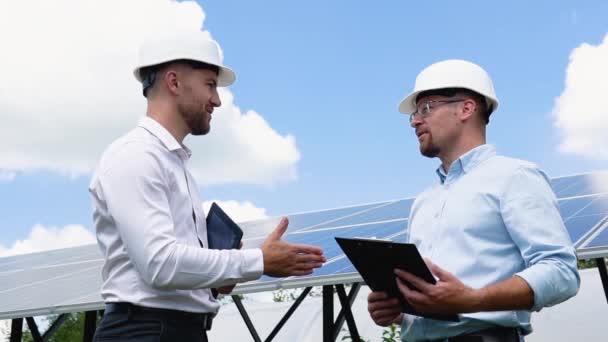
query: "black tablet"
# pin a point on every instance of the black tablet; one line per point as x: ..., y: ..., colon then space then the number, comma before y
x: 375, y: 260
x: 222, y: 232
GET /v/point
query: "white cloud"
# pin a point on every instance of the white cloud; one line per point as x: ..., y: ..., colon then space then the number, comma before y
x: 68, y: 91
x: 43, y: 238
x: 579, y: 111
x: 238, y: 211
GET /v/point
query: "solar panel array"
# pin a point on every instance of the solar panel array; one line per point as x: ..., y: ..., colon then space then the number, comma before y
x: 68, y: 280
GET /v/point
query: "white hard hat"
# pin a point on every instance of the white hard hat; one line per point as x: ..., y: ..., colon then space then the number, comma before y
x: 191, y: 45
x: 452, y: 73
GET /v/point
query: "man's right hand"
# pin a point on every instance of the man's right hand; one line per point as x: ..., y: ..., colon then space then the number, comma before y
x: 284, y: 259
x: 384, y: 310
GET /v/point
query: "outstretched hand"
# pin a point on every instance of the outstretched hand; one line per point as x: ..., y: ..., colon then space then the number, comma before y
x: 284, y: 259
x: 448, y: 296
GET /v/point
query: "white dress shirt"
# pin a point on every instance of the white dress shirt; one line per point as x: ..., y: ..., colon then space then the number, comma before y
x: 149, y: 218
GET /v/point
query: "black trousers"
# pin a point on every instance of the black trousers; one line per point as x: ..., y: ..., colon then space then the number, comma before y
x: 498, y: 334
x: 145, y: 326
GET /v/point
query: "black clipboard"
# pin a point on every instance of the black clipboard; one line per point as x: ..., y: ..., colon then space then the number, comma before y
x: 222, y: 232
x: 375, y: 261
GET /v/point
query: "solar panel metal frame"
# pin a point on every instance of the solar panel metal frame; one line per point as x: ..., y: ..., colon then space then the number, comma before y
x: 586, y: 253
x: 87, y: 302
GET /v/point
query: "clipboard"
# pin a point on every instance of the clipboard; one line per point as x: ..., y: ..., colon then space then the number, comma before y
x: 222, y: 231
x: 375, y: 261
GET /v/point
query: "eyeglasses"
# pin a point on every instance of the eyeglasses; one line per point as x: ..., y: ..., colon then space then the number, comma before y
x: 424, y: 109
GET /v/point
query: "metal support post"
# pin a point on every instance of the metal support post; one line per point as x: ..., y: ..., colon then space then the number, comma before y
x: 352, y: 294
x: 328, y: 313
x: 348, y: 314
x: 601, y: 266
x: 31, y: 324
x: 16, y: 330
x: 243, y: 312
x: 288, y: 314
x: 55, y: 326
x: 90, y: 323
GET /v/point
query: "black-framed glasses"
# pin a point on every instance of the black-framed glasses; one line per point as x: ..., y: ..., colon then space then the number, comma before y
x: 425, y: 108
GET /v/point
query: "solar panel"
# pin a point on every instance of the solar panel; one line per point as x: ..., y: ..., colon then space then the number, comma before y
x: 61, y: 278
x: 388, y: 211
x: 582, y: 214
x: 569, y: 207
x: 52, y: 257
x: 315, y: 218
x: 600, y: 240
x: 68, y: 280
x: 580, y: 185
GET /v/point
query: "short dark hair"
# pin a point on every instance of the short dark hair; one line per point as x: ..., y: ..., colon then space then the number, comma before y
x: 148, y: 74
x: 483, y: 108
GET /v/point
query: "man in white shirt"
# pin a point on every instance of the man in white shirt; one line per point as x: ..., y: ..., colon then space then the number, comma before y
x: 158, y: 273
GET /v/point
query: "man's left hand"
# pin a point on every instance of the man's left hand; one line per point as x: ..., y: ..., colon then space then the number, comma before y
x: 225, y: 290
x: 448, y: 296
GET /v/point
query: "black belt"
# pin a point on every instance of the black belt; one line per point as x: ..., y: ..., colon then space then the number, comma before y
x: 204, y: 318
x: 497, y: 334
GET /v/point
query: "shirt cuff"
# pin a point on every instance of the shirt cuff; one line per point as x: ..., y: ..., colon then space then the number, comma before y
x: 253, y: 263
x: 540, y: 286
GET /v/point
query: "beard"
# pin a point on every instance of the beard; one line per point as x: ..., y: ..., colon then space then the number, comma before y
x: 429, y: 149
x: 196, y: 117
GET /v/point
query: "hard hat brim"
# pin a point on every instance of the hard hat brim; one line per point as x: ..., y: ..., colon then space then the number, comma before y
x: 408, y: 104
x: 225, y: 77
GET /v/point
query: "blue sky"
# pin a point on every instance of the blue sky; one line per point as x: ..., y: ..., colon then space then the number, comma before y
x: 329, y: 75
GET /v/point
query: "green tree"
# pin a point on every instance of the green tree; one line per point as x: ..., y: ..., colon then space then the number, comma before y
x: 71, y: 330
x: 590, y: 263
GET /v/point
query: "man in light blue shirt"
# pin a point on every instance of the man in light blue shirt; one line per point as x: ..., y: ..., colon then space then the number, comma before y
x: 490, y: 231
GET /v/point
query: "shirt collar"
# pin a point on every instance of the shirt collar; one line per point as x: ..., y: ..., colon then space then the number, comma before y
x: 162, y: 134
x: 466, y: 162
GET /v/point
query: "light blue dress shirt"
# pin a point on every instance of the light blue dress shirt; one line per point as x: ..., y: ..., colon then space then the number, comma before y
x: 492, y: 217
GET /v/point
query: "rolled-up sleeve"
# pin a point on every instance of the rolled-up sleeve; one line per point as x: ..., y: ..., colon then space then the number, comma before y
x: 531, y: 215
x: 136, y: 193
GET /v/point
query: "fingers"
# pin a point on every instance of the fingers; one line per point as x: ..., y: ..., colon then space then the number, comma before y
x: 307, y: 265
x: 377, y: 296
x: 438, y: 271
x: 382, y: 309
x: 303, y: 264
x: 442, y: 274
x: 310, y: 258
x: 415, y: 298
x: 418, y: 283
x: 308, y: 249
x: 380, y: 300
x: 302, y: 272
x: 385, y: 317
x: 284, y: 259
x: 403, y: 288
x: 278, y: 232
